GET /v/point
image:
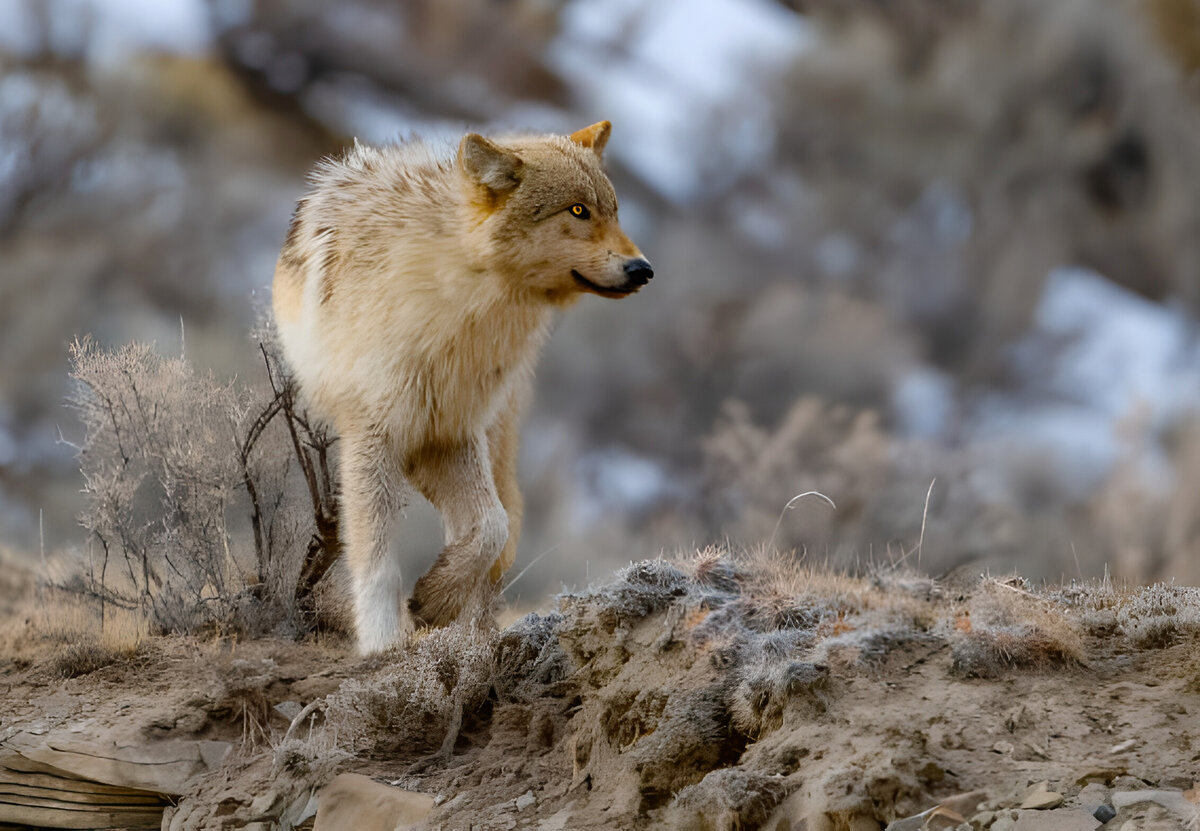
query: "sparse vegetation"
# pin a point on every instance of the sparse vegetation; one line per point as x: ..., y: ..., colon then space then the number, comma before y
x: 857, y: 266
x: 209, y: 503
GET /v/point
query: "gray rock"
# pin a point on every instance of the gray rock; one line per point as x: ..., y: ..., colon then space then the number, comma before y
x: 288, y: 709
x: 1173, y: 801
x: 1093, y: 794
x: 264, y: 804
x: 355, y: 801
x: 526, y: 800
x: 1039, y: 797
x: 1063, y: 819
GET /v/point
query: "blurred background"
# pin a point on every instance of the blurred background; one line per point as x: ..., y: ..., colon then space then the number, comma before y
x: 936, y: 259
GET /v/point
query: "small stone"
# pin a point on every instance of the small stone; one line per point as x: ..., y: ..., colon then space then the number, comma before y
x: 983, y: 819
x: 1104, y: 813
x: 213, y: 753
x: 526, y: 800
x: 913, y: 823
x: 1105, y: 775
x: 1123, y: 746
x: 964, y: 803
x: 288, y: 709
x: 1092, y: 794
x: 1003, y: 748
x: 439, y: 799
x: 265, y: 803
x: 1039, y: 797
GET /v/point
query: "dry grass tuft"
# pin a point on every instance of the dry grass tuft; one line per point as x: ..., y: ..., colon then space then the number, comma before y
x: 1005, y: 626
x: 85, y: 658
x: 418, y: 700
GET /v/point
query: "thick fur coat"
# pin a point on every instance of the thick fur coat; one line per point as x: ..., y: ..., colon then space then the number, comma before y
x: 412, y: 296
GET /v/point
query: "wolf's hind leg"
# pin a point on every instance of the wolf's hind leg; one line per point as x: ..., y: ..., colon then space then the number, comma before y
x: 373, y: 492
x: 458, y: 480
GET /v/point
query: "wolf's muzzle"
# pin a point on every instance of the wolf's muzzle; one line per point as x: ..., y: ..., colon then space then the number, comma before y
x: 638, y: 272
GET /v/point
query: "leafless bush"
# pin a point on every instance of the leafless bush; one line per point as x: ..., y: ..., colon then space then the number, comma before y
x: 200, y: 492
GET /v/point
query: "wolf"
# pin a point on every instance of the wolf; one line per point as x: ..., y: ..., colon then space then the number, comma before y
x: 415, y: 289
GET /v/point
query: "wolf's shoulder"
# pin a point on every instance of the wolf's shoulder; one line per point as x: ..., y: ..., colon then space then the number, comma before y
x: 410, y: 159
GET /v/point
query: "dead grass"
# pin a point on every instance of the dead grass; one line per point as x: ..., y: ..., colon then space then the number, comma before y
x: 1004, y: 626
x: 71, y: 634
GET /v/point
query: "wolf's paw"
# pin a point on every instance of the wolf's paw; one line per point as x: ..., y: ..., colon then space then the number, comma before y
x: 374, y: 641
x: 433, y: 607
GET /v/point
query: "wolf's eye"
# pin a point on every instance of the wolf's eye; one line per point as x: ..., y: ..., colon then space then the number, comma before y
x: 580, y: 211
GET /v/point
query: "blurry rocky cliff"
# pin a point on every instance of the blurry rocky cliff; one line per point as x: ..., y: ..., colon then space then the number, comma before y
x: 895, y: 243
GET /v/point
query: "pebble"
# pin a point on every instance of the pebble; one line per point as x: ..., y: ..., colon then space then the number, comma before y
x: 1003, y: 748
x: 288, y: 709
x: 1040, y: 797
x: 526, y: 800
x: 263, y: 803
x: 1123, y: 746
x: 1101, y: 774
x: 1104, y: 813
x: 983, y: 819
x: 1092, y: 795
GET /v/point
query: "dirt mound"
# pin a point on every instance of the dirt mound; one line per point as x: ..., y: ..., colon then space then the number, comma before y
x: 716, y: 692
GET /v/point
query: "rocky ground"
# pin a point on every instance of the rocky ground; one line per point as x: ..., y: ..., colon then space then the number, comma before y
x: 710, y: 692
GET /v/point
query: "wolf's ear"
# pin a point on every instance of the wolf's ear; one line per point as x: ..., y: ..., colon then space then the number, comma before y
x: 489, y: 164
x: 594, y: 137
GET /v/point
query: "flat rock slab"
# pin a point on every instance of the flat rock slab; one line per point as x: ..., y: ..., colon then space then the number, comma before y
x: 39, y: 795
x: 112, y: 758
x: 68, y: 779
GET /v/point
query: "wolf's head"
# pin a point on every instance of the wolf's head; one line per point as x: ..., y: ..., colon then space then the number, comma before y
x: 549, y: 215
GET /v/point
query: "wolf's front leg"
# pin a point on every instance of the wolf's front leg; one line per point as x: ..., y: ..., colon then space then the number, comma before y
x: 372, y: 493
x: 458, y: 480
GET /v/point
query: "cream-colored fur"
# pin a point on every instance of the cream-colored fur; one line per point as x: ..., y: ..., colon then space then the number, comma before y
x: 412, y: 296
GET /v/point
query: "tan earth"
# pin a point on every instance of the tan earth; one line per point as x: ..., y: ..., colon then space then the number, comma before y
x: 711, y: 692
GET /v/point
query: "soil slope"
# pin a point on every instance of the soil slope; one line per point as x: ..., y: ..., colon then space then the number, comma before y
x: 714, y: 692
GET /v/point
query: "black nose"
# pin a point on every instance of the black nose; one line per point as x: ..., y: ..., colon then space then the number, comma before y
x: 639, y: 271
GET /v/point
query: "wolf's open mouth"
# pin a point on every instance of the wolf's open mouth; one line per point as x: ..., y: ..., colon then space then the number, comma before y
x: 605, y: 291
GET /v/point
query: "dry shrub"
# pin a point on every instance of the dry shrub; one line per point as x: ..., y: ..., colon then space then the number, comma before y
x: 1154, y: 617
x: 1149, y: 617
x: 418, y: 701
x: 1006, y: 627
x: 879, y: 485
x: 197, y: 505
